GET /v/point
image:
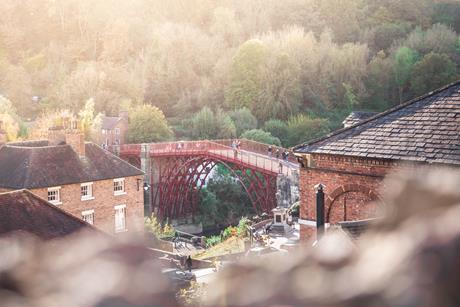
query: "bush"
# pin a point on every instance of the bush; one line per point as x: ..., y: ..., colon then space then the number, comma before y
x: 153, y: 226
x: 278, y: 129
x: 241, y: 229
x: 261, y: 136
x: 213, y: 240
x: 302, y: 128
x: 244, y: 120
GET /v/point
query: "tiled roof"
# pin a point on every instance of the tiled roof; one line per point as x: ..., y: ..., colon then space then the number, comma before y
x: 38, y: 166
x: 356, y: 117
x: 23, y: 211
x: 109, y: 123
x: 425, y: 129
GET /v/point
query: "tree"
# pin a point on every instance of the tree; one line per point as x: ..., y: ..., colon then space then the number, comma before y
x: 433, y: 71
x: 302, y: 128
x: 244, y: 120
x: 89, y: 121
x: 148, y: 124
x: 261, y: 136
x: 405, y: 59
x: 204, y: 124
x: 278, y: 129
x: 244, y: 87
x: 8, y: 119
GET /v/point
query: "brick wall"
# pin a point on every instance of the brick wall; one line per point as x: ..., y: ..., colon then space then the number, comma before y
x: 352, y: 184
x: 103, y: 203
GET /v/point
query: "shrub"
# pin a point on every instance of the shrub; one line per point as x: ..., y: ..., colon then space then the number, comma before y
x: 213, y: 240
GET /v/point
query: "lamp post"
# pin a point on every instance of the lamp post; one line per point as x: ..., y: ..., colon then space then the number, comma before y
x: 319, y: 210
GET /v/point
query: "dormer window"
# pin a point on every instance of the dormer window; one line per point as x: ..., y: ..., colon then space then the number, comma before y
x: 54, y: 195
x: 119, y: 186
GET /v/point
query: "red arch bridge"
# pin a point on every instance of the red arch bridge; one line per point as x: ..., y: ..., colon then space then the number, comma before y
x: 176, y: 171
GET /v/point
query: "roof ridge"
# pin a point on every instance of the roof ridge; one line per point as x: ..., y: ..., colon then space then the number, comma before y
x: 378, y: 115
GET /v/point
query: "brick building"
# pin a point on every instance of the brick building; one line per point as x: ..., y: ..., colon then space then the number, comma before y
x: 78, y: 177
x: 22, y: 211
x: 114, y: 129
x: 352, y: 161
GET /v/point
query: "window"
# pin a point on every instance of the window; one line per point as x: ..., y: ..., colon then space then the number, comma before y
x: 87, y: 191
x: 88, y: 216
x: 120, y: 218
x: 117, y: 130
x: 104, y: 131
x: 119, y: 186
x: 54, y: 195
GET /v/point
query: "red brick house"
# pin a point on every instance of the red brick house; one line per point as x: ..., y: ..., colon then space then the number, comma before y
x: 78, y: 177
x: 22, y: 211
x: 352, y: 161
x: 114, y: 129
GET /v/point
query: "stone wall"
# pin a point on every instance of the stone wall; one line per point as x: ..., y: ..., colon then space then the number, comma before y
x: 104, y: 202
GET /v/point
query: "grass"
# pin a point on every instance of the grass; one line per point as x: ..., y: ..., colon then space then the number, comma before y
x: 229, y: 246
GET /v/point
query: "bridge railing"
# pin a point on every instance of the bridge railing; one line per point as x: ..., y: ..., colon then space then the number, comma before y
x: 250, y: 152
x: 260, y: 148
x: 242, y: 155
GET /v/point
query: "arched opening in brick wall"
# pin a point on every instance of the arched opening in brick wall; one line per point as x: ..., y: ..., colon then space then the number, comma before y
x: 350, y: 203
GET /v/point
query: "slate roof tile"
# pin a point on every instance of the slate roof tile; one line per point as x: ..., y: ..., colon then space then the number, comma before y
x: 35, y: 165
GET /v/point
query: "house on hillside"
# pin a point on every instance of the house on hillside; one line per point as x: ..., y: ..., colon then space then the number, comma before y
x: 114, y: 129
x: 352, y: 161
x: 22, y: 211
x: 78, y: 177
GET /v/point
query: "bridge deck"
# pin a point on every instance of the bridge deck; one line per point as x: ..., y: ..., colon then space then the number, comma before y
x: 249, y: 154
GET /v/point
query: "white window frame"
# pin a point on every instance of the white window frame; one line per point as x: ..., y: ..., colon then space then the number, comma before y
x: 88, y: 213
x: 120, y: 226
x: 57, y: 200
x: 90, y: 195
x: 117, y: 131
x: 116, y: 191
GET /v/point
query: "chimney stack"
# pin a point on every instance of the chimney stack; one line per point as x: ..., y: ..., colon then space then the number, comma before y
x: 68, y: 132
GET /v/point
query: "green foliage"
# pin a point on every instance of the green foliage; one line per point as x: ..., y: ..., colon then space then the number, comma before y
x: 244, y: 120
x: 241, y: 229
x: 276, y: 58
x: 223, y: 200
x: 405, y: 59
x: 152, y: 225
x: 278, y: 129
x: 302, y: 128
x: 433, y: 71
x: 213, y: 240
x: 209, y: 125
x: 261, y: 136
x: 148, y: 124
x: 244, y: 85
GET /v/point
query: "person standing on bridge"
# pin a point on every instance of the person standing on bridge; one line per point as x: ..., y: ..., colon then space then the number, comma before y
x: 270, y: 149
x: 277, y: 153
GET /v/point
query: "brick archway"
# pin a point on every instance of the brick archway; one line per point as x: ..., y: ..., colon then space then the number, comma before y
x: 362, y: 201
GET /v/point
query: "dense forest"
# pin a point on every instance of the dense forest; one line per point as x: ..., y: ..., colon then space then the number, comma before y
x: 281, y: 72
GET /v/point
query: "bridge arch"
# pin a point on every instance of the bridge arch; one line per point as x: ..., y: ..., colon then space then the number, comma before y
x: 184, y: 178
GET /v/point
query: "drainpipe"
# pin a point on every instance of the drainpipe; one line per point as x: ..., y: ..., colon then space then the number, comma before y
x: 319, y: 210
